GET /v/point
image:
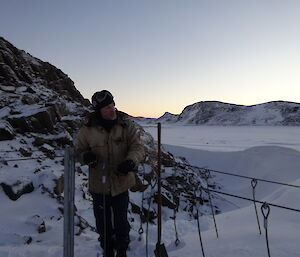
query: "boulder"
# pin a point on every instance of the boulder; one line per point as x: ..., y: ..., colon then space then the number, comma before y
x: 6, y: 131
x: 41, y: 121
x: 15, y: 190
x: 165, y: 201
x: 61, y: 139
x: 42, y: 227
x: 25, y: 152
x: 144, y: 213
x: 29, y: 99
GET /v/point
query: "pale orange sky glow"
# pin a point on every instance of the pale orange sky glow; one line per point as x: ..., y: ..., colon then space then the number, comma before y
x: 158, y: 56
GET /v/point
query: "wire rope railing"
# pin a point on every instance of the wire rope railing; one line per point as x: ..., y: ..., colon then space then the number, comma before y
x: 203, y: 170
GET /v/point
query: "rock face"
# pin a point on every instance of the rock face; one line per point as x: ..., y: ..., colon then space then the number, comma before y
x: 35, y: 96
x: 18, y: 68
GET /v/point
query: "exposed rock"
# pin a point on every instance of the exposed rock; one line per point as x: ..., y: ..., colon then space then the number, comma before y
x: 61, y: 140
x: 81, y: 225
x: 165, y: 201
x: 6, y: 131
x: 27, y: 240
x: 29, y: 99
x: 135, y: 208
x: 18, y: 68
x: 25, y: 152
x: 139, y: 186
x: 42, y: 227
x: 5, y: 111
x: 144, y: 213
x: 17, y: 189
x: 42, y: 120
x: 37, y: 222
x: 39, y: 141
x: 9, y: 89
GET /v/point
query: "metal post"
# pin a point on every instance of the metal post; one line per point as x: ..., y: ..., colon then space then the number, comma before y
x: 160, y: 250
x: 69, y: 186
x: 159, y: 184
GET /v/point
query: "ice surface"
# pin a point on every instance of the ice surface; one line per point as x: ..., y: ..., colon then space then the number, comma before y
x: 265, y: 152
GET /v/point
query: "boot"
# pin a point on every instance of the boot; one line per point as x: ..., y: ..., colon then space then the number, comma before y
x: 109, y: 253
x: 121, y: 253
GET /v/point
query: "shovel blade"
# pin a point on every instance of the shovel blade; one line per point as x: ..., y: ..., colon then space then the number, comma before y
x: 160, y: 251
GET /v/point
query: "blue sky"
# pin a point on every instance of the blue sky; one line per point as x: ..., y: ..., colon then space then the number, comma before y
x: 158, y: 56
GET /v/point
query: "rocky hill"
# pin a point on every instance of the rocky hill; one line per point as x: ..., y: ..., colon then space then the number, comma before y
x: 40, y: 112
x: 276, y: 113
x: 218, y: 113
x: 19, y: 69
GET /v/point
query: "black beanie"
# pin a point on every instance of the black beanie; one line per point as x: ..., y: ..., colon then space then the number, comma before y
x: 101, y: 99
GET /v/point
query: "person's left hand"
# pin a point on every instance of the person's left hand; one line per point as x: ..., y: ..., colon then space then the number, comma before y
x: 126, y: 166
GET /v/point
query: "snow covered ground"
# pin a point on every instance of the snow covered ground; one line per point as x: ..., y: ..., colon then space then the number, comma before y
x: 271, y: 153
x: 227, y: 138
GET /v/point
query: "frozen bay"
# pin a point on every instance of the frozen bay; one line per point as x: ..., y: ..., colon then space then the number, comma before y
x: 227, y: 138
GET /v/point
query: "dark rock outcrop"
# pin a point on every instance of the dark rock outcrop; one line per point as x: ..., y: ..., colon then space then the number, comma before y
x: 15, y: 190
x: 6, y: 131
x: 18, y: 68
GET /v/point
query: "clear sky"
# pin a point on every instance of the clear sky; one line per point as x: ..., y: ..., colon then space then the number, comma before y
x: 162, y: 55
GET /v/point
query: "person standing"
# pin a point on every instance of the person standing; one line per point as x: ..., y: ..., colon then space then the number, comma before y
x: 109, y: 143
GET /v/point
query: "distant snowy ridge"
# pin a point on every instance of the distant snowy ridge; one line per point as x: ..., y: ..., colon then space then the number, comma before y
x: 280, y: 113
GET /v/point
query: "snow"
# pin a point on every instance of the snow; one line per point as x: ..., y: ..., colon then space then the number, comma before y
x: 262, y: 116
x: 221, y: 114
x: 5, y: 125
x: 21, y: 89
x: 28, y: 110
x: 4, y: 111
x: 227, y: 138
x: 10, y: 89
x: 31, y: 59
x: 271, y: 153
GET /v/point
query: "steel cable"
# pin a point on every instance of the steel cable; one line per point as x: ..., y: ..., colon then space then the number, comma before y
x: 242, y: 176
x: 30, y: 158
x: 249, y: 199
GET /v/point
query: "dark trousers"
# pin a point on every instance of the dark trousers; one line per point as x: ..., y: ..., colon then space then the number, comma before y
x: 117, y: 225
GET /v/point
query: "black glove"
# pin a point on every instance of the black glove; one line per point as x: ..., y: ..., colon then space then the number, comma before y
x: 89, y: 158
x: 126, y: 166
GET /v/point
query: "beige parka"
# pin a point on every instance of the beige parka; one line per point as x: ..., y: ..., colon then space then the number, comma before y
x: 111, y: 148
